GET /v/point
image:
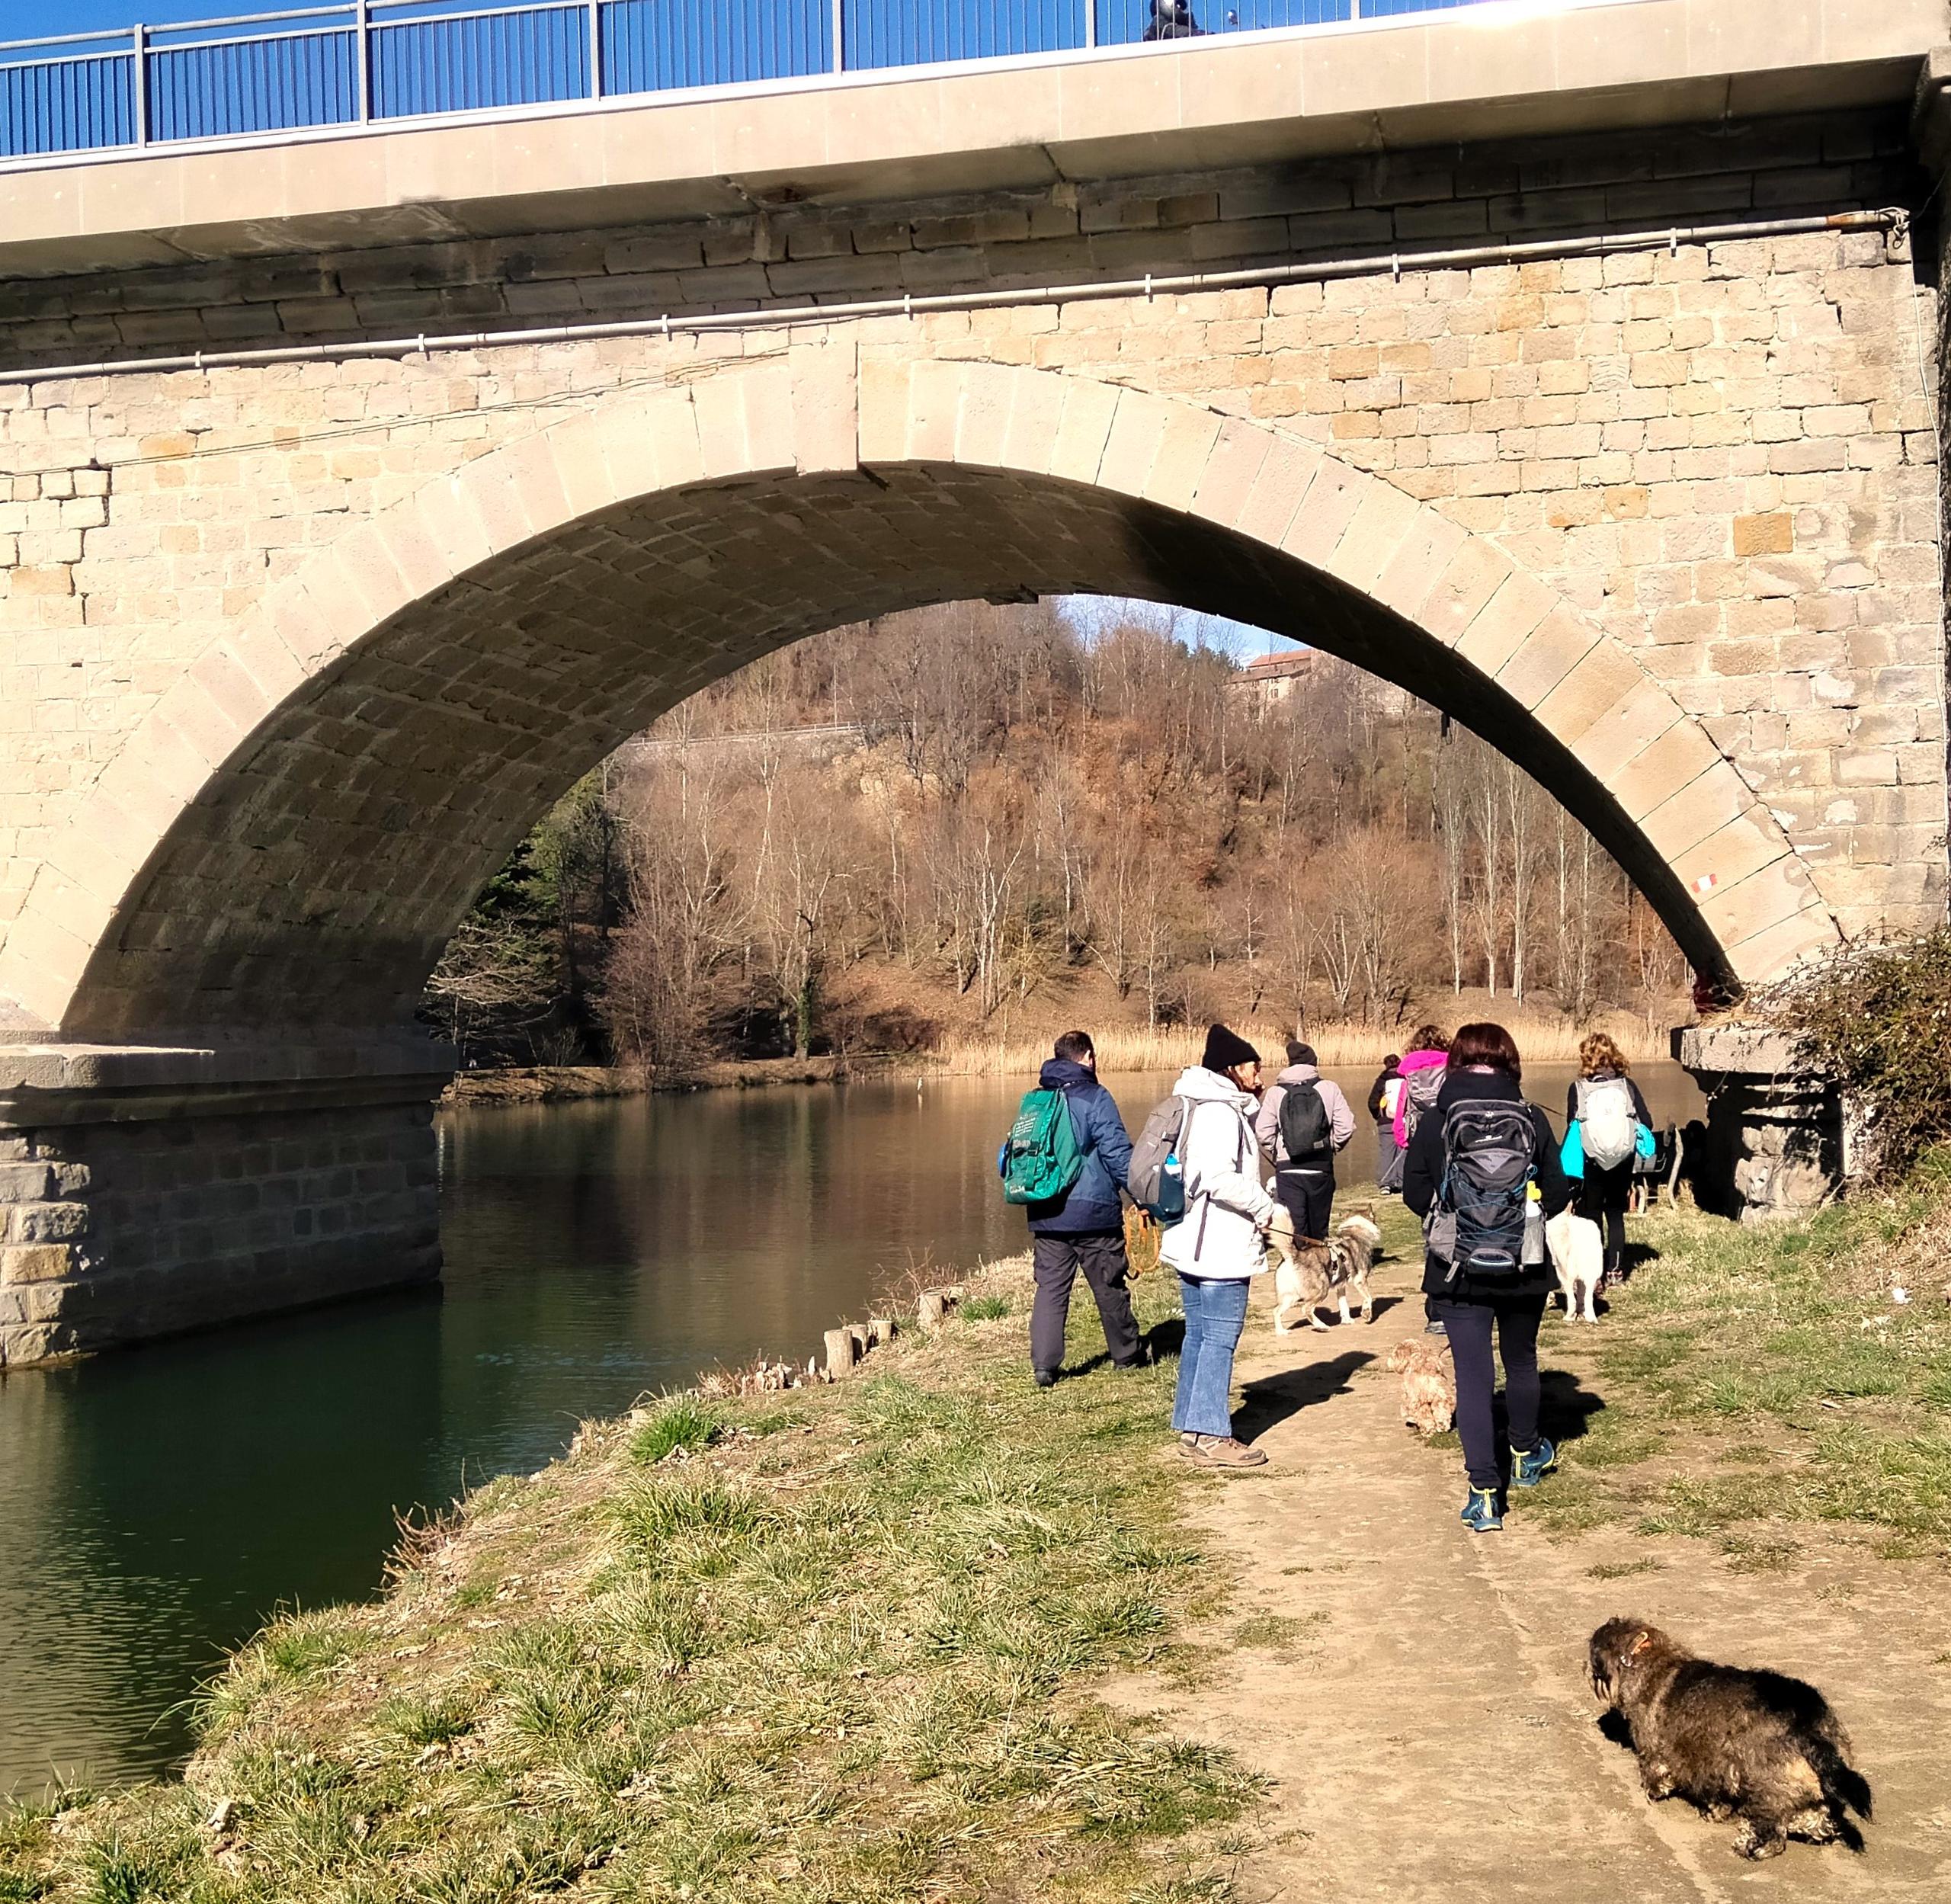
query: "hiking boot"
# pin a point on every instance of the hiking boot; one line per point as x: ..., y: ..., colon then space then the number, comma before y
x: 1613, y: 1278
x: 1480, y: 1512
x: 1221, y: 1451
x: 1434, y: 1328
x: 1047, y: 1378
x: 1527, y: 1470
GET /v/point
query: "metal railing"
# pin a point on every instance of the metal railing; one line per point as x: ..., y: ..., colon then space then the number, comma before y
x: 356, y: 61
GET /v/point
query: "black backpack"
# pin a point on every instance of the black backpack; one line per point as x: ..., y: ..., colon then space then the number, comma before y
x: 1304, y: 1129
x: 1480, y: 1222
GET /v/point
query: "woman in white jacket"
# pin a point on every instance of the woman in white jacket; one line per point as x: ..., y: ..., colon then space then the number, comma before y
x: 1219, y: 1244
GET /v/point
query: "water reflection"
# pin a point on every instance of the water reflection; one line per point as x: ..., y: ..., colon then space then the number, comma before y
x: 157, y: 1503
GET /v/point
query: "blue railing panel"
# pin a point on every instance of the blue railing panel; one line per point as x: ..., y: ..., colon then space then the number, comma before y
x: 1122, y: 22
x: 305, y: 67
x: 67, y: 105
x: 523, y: 59
x: 254, y: 85
x: 658, y: 46
x: 919, y: 33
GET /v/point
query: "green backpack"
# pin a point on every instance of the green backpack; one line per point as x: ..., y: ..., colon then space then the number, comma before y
x: 1040, y: 1157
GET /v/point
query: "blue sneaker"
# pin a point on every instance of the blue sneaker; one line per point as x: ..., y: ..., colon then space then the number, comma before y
x: 1527, y: 1470
x: 1480, y: 1512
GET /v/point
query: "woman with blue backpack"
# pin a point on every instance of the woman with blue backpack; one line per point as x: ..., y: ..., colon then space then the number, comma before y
x: 1606, y: 1108
x: 1483, y: 1173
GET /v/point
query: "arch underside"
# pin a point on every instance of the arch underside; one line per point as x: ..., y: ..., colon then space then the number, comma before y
x: 317, y: 876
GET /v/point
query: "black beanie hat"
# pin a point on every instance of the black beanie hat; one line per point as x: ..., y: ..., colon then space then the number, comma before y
x: 1299, y: 1053
x: 1225, y: 1049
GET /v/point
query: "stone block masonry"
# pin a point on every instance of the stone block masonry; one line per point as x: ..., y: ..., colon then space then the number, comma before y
x: 1724, y: 457
x: 125, y: 1217
x: 290, y: 654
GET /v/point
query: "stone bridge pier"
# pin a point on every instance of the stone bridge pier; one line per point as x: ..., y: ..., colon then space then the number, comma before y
x: 352, y: 505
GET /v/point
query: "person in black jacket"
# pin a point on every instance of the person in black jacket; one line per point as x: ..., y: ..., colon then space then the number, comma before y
x: 1172, y: 19
x: 1605, y: 1190
x: 1084, y: 1228
x: 1381, y: 1113
x: 1484, y: 1066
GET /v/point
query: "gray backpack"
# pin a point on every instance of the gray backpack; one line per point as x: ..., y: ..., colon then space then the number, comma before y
x: 1156, y: 1179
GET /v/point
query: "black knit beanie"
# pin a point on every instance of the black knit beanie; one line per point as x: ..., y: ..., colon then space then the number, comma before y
x: 1225, y: 1049
x: 1299, y: 1052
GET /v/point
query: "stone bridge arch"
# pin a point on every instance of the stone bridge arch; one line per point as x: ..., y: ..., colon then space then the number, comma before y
x: 287, y: 840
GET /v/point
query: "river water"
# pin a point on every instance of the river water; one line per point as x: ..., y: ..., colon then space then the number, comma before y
x: 157, y: 1504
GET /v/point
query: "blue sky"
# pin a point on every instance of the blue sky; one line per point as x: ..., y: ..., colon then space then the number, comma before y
x: 34, y: 19
x: 1239, y: 640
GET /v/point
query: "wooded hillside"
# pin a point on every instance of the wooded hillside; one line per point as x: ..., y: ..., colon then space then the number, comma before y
x: 900, y: 831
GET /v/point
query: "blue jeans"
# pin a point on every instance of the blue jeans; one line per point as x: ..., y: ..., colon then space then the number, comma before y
x: 1215, y: 1313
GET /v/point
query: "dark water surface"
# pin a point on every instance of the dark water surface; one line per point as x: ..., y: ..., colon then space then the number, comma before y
x: 156, y: 1504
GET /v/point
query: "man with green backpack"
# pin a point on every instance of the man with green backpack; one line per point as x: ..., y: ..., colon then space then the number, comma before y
x: 1063, y: 1160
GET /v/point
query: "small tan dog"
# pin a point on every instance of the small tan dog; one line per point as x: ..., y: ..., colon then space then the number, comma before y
x: 1310, y: 1270
x: 1429, y: 1383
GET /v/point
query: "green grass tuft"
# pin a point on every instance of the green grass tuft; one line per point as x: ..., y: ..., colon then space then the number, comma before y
x: 683, y: 1421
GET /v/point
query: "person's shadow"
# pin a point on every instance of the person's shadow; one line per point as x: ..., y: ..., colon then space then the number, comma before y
x: 1270, y: 1400
x: 1566, y: 1404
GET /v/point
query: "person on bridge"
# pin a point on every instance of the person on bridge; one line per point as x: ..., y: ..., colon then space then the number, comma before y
x: 1384, y: 1095
x: 1172, y: 19
x: 1483, y: 1173
x: 1607, y: 1106
x: 1304, y: 1119
x: 1219, y: 1245
x: 1083, y: 1229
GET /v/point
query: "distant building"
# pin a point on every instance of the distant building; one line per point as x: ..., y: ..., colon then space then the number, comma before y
x: 1273, y: 677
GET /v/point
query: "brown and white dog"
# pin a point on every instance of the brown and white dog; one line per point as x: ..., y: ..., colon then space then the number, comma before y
x: 1578, y: 1255
x: 1310, y: 1270
x: 1757, y: 1746
x: 1429, y: 1383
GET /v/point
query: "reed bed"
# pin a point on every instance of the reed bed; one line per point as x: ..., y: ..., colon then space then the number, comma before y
x: 1545, y: 1037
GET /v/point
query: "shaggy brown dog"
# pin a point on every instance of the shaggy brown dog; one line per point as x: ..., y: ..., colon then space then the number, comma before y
x: 1755, y: 1745
x: 1429, y: 1383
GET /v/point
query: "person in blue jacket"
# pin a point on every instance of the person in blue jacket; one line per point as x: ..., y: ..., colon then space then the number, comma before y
x: 1084, y: 1228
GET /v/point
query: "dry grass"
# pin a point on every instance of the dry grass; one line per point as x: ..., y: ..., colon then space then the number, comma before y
x: 835, y: 1645
x: 1545, y: 1037
x: 1754, y: 1377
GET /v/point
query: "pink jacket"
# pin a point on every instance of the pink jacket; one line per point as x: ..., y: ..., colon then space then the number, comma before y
x: 1416, y: 1061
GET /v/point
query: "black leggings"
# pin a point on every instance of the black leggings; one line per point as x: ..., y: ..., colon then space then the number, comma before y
x: 1603, y: 1196
x: 1516, y: 1317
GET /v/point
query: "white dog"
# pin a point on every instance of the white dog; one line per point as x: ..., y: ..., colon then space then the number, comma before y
x: 1578, y: 1255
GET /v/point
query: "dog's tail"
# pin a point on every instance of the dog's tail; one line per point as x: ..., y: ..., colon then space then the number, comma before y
x: 1843, y: 1787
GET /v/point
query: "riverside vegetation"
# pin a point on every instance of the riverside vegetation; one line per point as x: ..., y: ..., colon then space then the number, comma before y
x: 966, y: 828
x: 835, y: 1643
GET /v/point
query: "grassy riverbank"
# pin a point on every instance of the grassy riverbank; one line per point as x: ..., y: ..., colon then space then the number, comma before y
x: 837, y: 1643
x: 1751, y: 1380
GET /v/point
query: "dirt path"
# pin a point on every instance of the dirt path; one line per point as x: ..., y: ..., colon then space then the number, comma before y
x: 1426, y: 1723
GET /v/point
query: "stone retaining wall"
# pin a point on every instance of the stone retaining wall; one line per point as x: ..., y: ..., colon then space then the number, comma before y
x: 124, y: 1229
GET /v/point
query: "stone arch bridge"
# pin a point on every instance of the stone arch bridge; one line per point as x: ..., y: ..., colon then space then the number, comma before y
x: 345, y: 531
